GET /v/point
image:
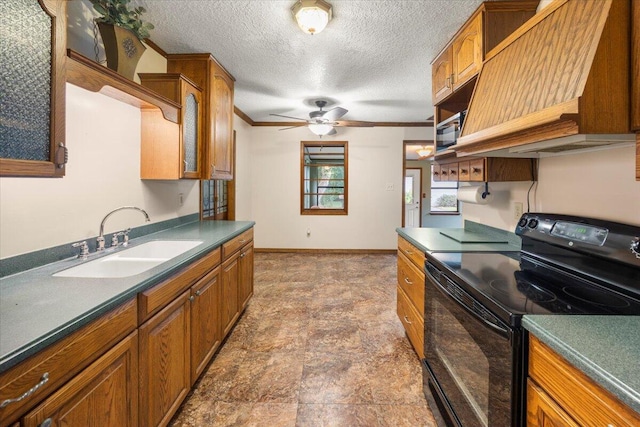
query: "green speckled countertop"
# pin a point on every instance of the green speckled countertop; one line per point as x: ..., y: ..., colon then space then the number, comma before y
x: 605, y: 348
x: 433, y: 239
x: 37, y: 309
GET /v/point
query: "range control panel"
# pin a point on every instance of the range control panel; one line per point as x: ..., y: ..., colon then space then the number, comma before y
x: 605, y: 238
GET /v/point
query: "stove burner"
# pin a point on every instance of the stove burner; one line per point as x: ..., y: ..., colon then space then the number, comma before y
x: 534, y: 293
x: 596, y: 296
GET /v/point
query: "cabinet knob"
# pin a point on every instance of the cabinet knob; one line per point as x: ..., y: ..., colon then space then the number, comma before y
x: 46, y: 423
x: 198, y: 292
x: 191, y: 298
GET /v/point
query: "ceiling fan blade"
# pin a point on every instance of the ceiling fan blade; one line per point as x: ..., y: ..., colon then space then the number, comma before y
x: 334, y: 113
x: 288, y: 117
x: 294, y: 127
x: 354, y: 123
x: 332, y: 132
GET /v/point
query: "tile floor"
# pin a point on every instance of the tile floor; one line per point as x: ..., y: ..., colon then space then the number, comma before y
x: 319, y: 345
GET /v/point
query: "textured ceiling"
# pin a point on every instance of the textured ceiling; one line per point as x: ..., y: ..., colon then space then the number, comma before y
x: 372, y: 59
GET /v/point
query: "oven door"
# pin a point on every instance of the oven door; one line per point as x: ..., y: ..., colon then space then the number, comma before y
x: 470, y: 359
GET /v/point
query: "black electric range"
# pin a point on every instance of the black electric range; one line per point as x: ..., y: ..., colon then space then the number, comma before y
x: 475, y: 358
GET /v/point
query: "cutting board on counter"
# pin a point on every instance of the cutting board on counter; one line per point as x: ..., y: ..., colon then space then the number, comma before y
x: 464, y: 236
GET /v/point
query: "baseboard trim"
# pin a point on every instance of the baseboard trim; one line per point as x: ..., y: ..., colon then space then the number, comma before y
x: 326, y: 251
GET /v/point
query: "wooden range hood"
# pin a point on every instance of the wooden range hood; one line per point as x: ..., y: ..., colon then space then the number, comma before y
x: 563, y: 78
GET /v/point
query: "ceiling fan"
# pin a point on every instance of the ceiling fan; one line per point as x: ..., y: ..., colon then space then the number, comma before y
x: 323, y: 122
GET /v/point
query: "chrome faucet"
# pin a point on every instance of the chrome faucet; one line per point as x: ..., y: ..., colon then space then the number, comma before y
x: 100, y: 239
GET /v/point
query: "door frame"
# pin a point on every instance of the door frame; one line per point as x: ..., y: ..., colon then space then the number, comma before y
x: 404, y: 171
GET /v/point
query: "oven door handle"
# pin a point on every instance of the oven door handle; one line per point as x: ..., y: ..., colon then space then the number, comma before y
x: 504, y: 331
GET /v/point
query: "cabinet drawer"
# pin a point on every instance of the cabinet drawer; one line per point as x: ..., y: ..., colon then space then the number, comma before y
x: 105, y: 393
x: 476, y: 170
x: 62, y: 360
x: 411, y: 280
x: 543, y: 411
x: 236, y: 243
x: 436, y: 172
x: 411, y: 252
x: 153, y: 299
x: 463, y: 171
x: 412, y: 322
x: 576, y: 393
x: 453, y: 171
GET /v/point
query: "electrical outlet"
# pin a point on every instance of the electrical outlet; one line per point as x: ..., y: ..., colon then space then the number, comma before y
x: 517, y: 210
x: 389, y: 186
x: 180, y: 199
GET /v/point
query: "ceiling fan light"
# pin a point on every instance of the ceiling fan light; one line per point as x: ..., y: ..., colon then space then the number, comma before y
x: 312, y: 15
x: 320, y: 129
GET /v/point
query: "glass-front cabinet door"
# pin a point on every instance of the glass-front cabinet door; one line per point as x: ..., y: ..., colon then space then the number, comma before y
x: 32, y: 87
x: 191, y: 131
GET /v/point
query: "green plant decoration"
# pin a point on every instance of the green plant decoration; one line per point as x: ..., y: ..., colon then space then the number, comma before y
x: 117, y: 12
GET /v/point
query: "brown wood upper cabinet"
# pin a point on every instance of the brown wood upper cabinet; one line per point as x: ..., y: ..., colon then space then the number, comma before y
x: 487, y: 169
x: 32, y: 133
x: 577, y: 82
x: 165, y: 155
x: 217, y: 86
x: 462, y: 58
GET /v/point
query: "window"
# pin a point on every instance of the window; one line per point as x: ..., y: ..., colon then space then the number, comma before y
x: 323, y: 178
x: 215, y: 203
x: 444, y: 196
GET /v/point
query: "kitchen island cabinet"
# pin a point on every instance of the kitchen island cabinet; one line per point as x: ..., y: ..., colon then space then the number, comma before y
x: 410, y: 293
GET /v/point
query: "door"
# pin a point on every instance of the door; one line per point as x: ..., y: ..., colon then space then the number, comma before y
x: 412, y: 197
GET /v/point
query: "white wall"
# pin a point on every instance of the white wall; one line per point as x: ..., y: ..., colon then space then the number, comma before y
x: 375, y: 160
x: 244, y: 170
x: 599, y: 184
x: 103, y: 173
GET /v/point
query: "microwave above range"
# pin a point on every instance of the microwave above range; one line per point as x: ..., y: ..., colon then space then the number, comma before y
x: 448, y: 131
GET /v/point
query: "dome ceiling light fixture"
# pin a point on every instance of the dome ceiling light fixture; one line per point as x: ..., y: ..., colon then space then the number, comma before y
x: 320, y: 129
x: 312, y: 15
x: 424, y: 152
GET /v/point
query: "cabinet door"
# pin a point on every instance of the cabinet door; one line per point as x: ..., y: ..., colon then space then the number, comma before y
x: 222, y: 141
x: 229, y: 308
x: 104, y: 394
x: 32, y: 104
x: 441, y: 77
x: 467, y: 52
x: 164, y: 363
x: 542, y: 411
x: 191, y: 132
x: 245, y: 276
x: 205, y: 319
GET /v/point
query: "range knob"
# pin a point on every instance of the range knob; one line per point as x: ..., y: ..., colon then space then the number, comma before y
x: 635, y: 247
x: 533, y: 223
x: 522, y: 222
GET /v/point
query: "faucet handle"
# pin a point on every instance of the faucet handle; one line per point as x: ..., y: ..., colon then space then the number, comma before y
x: 114, y: 239
x: 126, y: 236
x: 84, y: 249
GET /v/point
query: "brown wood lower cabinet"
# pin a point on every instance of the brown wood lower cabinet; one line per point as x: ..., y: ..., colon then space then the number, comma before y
x: 111, y: 374
x: 558, y: 394
x: 165, y: 374
x: 410, y: 303
x: 104, y: 394
x: 205, y: 321
x: 229, y: 277
x: 245, y: 276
